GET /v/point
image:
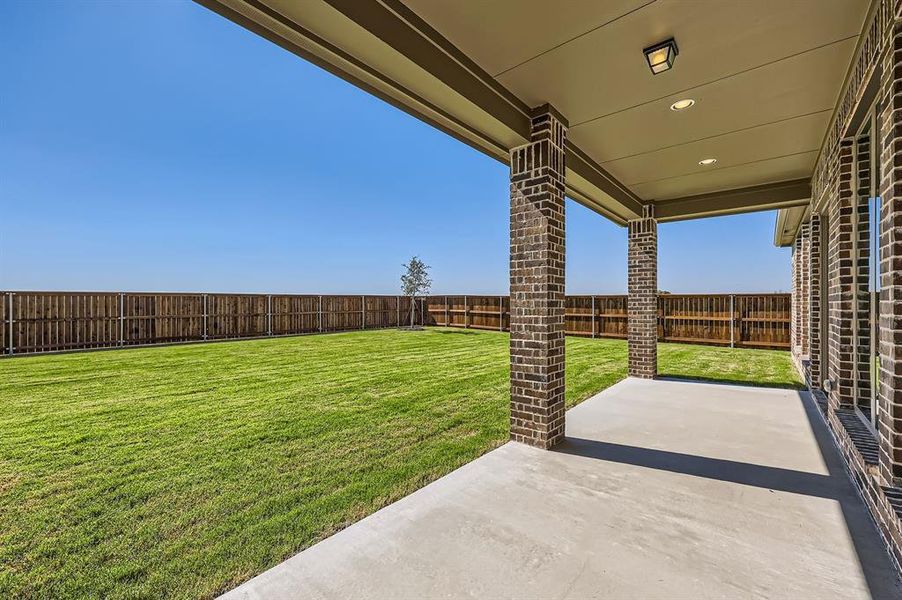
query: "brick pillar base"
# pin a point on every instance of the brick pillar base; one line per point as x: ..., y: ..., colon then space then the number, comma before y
x: 889, y: 424
x: 642, y: 303
x: 537, y: 283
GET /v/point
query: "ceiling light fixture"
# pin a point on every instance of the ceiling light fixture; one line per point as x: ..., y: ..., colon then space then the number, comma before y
x: 707, y: 161
x: 682, y: 104
x: 660, y: 57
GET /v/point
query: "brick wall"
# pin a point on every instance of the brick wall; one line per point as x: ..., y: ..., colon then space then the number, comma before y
x: 890, y: 394
x: 642, y: 304
x: 537, y: 283
x: 838, y: 265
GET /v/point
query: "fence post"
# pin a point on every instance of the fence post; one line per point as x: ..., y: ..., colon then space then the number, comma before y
x: 500, y: 313
x: 319, y: 314
x: 423, y: 311
x: 732, y: 319
x: 11, y: 321
x: 363, y: 312
x: 398, y: 310
x: 662, y: 304
x: 121, y: 319
x: 205, y: 317
x: 269, y: 314
x: 593, y: 317
x: 466, y: 313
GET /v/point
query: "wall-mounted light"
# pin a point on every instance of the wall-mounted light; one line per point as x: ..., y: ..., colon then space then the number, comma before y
x: 707, y: 161
x: 660, y: 57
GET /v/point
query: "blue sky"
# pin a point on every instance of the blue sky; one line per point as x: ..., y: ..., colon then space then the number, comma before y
x: 157, y: 146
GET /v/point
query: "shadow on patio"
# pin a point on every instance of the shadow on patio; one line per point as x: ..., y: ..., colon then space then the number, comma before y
x: 833, y: 486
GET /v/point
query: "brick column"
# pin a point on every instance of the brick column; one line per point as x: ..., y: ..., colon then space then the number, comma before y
x: 840, y: 280
x: 642, y: 303
x: 795, y: 317
x: 804, y: 233
x: 537, y: 283
x: 889, y: 424
x: 861, y: 271
x: 815, y: 271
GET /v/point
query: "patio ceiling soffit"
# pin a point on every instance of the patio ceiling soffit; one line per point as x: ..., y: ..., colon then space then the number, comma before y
x: 385, y: 49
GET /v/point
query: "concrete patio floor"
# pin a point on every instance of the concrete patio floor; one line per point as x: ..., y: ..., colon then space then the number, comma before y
x: 663, y: 489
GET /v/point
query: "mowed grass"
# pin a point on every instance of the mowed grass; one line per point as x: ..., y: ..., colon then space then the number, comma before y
x: 183, y: 471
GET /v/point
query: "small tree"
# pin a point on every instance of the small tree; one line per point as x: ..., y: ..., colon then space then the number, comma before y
x: 414, y: 282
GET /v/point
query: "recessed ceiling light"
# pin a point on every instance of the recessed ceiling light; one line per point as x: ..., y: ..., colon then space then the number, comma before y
x: 682, y: 104
x: 707, y: 161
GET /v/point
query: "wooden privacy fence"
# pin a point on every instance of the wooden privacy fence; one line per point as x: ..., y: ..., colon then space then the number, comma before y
x: 35, y: 322
x: 740, y: 320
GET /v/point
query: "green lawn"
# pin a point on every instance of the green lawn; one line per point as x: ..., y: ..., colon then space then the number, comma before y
x: 183, y: 471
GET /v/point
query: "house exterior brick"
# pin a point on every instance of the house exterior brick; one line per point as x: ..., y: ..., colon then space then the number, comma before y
x: 642, y: 304
x: 537, y: 283
x: 839, y: 263
x: 889, y: 426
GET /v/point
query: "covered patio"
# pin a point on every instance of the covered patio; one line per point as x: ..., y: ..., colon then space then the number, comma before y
x: 649, y: 111
x: 662, y: 489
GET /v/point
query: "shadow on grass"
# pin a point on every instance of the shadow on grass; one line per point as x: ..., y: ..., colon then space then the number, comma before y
x: 783, y: 385
x: 454, y: 331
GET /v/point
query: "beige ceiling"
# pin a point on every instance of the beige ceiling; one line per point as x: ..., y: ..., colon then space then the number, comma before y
x: 765, y: 74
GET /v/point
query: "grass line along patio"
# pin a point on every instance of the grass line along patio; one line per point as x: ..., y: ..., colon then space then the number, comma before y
x: 193, y: 468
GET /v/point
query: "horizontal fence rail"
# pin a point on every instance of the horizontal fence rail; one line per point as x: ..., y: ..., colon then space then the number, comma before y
x: 38, y: 322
